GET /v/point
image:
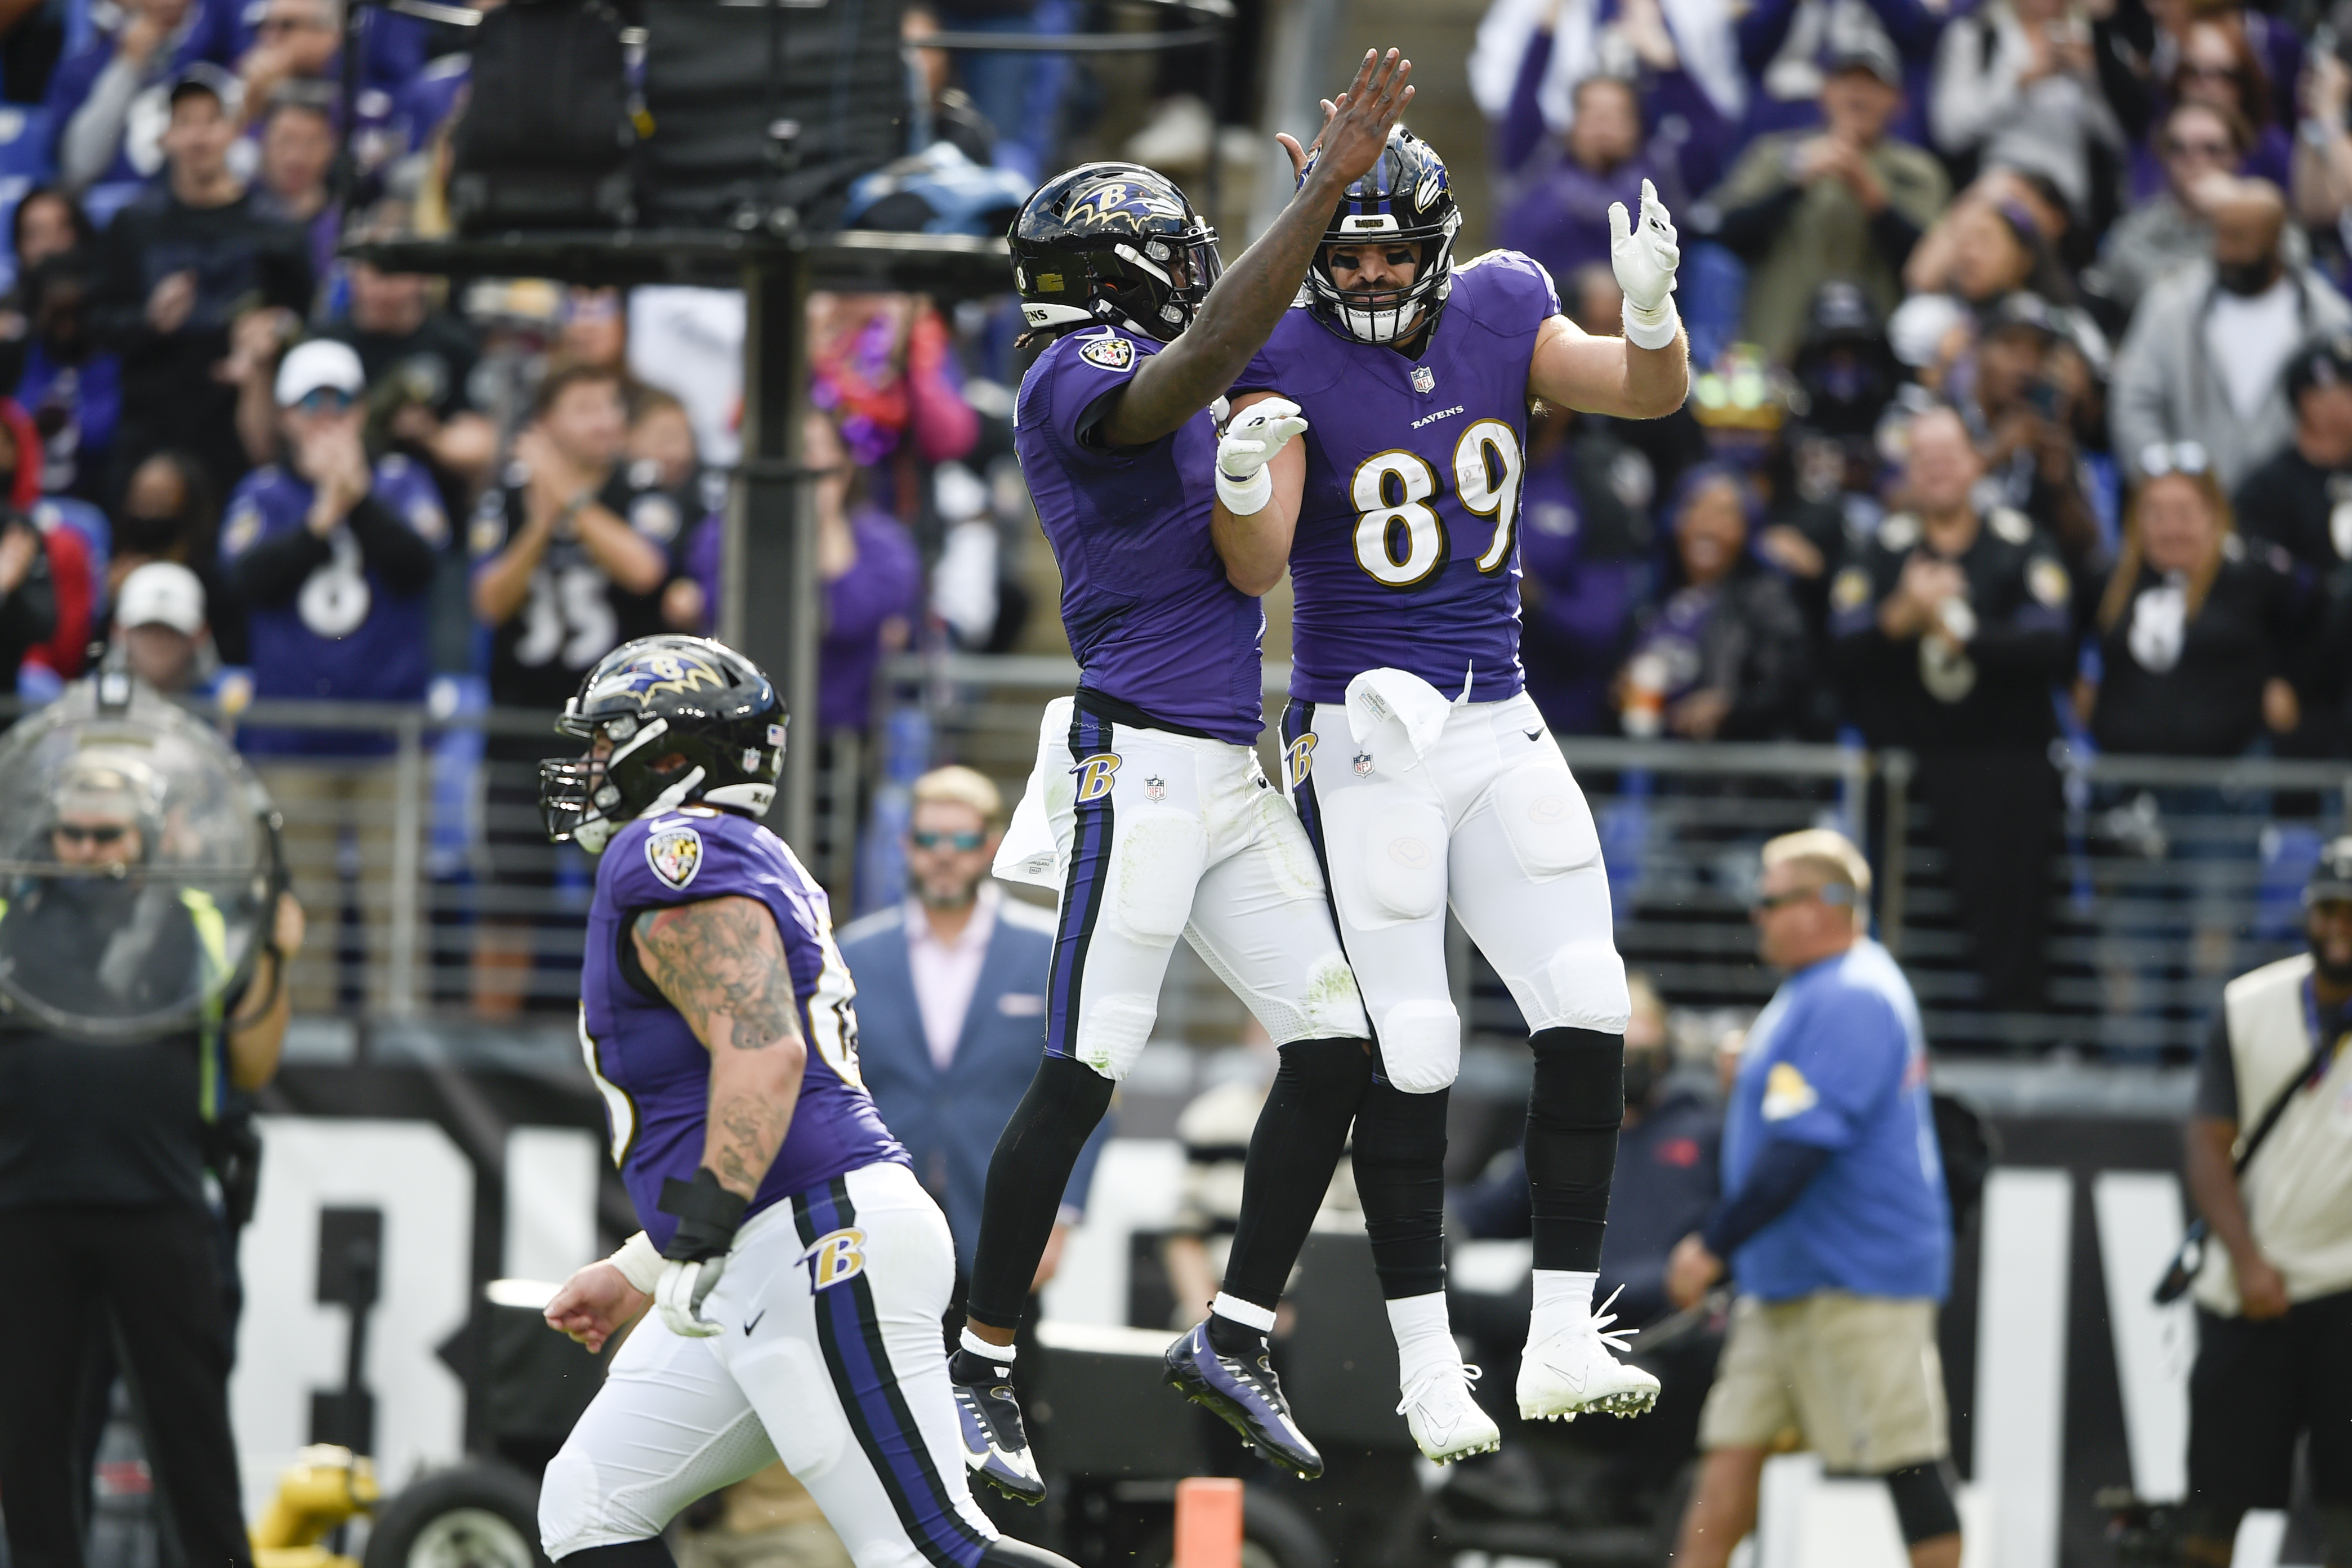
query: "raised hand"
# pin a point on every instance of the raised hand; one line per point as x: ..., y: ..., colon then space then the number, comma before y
x: 1644, y: 258
x: 1356, y: 125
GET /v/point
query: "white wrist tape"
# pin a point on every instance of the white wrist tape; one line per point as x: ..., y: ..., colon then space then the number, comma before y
x: 1652, y: 329
x: 1245, y: 497
x: 639, y: 1262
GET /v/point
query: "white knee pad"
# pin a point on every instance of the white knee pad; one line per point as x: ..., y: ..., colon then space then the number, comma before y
x: 1420, y: 1046
x: 1112, y: 1031
x: 1334, y: 1008
x: 568, y: 1506
x: 1545, y: 819
x: 1587, y: 982
x: 1388, y: 856
x: 1153, y: 872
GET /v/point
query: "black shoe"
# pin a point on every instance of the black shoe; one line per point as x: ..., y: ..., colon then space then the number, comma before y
x: 1243, y: 1390
x: 995, y: 1445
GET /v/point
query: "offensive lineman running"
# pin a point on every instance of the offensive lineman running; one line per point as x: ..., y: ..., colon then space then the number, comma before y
x: 1148, y: 810
x: 1418, y: 762
x: 717, y: 1017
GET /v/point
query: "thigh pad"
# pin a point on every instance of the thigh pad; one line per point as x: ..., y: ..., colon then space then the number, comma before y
x: 1155, y: 865
x: 1545, y: 818
x: 1387, y: 850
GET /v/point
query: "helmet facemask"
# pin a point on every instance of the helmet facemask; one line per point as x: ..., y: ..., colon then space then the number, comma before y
x: 581, y: 800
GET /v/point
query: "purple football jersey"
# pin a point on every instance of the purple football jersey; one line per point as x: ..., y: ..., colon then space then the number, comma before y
x: 654, y: 1074
x: 1407, y: 550
x: 1149, y: 614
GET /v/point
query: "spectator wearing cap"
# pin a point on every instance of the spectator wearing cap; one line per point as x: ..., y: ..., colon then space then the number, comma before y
x: 2203, y: 357
x: 2301, y: 498
x: 159, y: 623
x: 2197, y: 144
x: 2017, y: 87
x: 107, y: 100
x: 334, y: 559
x: 179, y: 271
x: 1722, y: 655
x: 2270, y: 1169
x: 1845, y: 202
x: 1834, y: 1221
x: 1948, y: 629
x: 2023, y: 387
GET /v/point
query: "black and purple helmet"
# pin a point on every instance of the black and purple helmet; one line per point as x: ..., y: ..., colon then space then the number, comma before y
x: 1116, y: 244
x: 1405, y: 197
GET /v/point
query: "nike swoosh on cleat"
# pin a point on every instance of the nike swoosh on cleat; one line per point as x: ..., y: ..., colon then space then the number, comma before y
x: 755, y: 1322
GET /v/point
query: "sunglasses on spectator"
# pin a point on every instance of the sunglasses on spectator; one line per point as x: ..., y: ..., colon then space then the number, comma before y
x: 2186, y: 458
x: 325, y: 400
x: 76, y: 833
x: 965, y: 843
x: 1833, y: 893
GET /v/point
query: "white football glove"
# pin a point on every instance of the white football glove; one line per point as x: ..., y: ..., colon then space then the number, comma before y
x: 1248, y: 445
x: 1644, y: 258
x: 680, y: 1295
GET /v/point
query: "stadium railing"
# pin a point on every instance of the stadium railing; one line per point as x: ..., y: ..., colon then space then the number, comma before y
x: 2170, y: 875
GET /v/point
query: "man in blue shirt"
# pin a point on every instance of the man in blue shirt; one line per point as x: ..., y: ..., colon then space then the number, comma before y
x: 1834, y: 1220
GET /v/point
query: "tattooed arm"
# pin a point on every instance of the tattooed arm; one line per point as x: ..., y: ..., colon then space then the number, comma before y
x: 722, y: 964
x: 1246, y: 304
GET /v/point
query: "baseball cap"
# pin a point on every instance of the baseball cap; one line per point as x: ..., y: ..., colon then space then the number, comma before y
x: 321, y: 363
x: 163, y: 593
x: 2022, y: 307
x: 1864, y: 52
x: 2331, y: 879
x: 2320, y: 362
x: 202, y: 75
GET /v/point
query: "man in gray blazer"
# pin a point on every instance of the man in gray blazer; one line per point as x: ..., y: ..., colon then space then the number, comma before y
x: 952, y: 1006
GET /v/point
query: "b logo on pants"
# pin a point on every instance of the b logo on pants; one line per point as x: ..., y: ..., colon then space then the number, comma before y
x: 838, y: 1256
x: 1095, y: 775
x: 1300, y: 759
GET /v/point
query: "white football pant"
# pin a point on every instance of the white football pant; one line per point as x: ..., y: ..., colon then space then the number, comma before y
x: 1483, y: 813
x: 831, y: 1361
x: 1151, y: 836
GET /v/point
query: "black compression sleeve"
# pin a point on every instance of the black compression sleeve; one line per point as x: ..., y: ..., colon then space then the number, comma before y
x: 1923, y: 1502
x: 1782, y: 1170
x: 1295, y: 1147
x: 1573, y: 1115
x: 1400, y: 1160
x: 273, y: 572
x: 392, y: 546
x: 1027, y: 1178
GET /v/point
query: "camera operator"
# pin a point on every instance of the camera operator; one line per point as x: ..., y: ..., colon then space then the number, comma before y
x: 103, y: 1144
x: 2275, y: 1296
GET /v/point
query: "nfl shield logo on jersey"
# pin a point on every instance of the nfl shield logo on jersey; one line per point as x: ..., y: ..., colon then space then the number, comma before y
x: 1155, y: 789
x: 1425, y: 379
x: 674, y: 854
x: 1363, y: 765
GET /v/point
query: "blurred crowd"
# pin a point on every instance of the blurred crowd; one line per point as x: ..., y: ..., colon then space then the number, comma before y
x: 2022, y: 402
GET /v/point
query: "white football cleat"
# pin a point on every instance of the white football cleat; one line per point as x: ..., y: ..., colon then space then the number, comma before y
x: 1571, y: 1372
x: 1444, y: 1419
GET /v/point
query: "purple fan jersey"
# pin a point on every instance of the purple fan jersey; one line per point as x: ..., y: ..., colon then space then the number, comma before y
x: 1407, y: 550
x: 1149, y: 614
x: 654, y: 1074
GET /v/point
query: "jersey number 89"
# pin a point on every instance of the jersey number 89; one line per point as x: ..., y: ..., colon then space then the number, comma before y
x: 1399, y: 538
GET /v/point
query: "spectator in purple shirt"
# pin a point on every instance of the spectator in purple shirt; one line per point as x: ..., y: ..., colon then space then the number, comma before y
x: 873, y: 582
x: 1560, y: 213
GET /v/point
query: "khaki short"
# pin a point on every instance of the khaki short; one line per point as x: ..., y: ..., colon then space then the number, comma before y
x: 1855, y: 1378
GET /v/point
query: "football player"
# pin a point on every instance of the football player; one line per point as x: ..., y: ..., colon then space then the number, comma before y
x: 1148, y: 812
x: 1420, y: 766
x: 798, y: 1269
